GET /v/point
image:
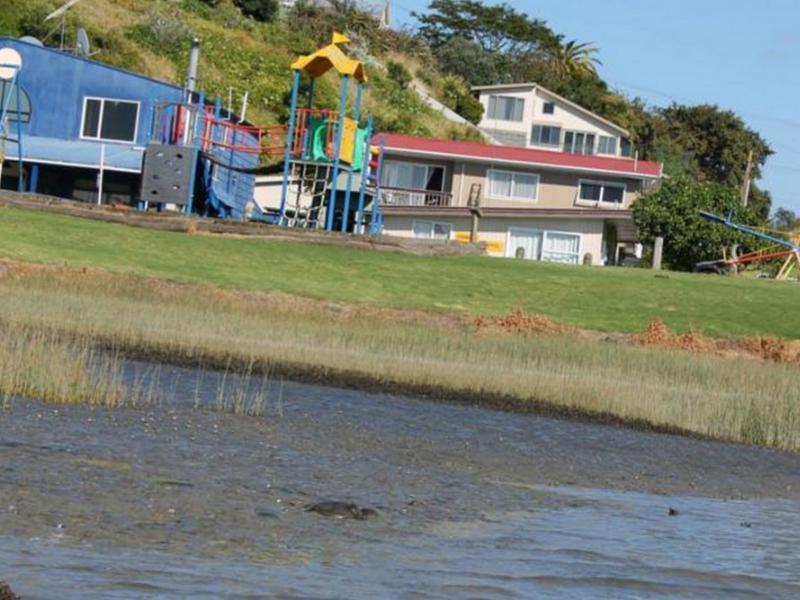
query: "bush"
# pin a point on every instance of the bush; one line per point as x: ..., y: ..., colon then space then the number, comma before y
x: 260, y: 10
x: 398, y: 73
x: 458, y: 97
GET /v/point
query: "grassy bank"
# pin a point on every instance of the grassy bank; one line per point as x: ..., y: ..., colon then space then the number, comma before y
x: 733, y: 399
x: 595, y: 298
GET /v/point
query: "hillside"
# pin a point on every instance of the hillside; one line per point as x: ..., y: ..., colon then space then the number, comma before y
x: 238, y: 53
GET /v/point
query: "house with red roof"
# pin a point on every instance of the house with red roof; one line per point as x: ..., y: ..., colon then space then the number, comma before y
x: 556, y: 184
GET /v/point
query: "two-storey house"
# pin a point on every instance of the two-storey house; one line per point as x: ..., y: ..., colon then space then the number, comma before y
x: 555, y: 190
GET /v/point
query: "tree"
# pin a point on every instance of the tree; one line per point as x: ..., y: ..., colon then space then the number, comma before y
x: 785, y: 219
x: 468, y: 59
x: 672, y: 212
x: 570, y: 58
x: 496, y: 28
x: 718, y: 141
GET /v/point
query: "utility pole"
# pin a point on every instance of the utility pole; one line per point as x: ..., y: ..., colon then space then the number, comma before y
x: 746, y: 181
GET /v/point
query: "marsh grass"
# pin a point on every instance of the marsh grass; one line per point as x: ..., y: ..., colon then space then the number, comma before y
x: 41, y: 366
x: 251, y: 335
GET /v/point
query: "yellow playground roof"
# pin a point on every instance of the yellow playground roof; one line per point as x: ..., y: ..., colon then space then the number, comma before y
x: 331, y: 57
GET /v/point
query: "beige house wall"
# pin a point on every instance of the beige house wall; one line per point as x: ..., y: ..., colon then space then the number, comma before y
x: 495, y: 231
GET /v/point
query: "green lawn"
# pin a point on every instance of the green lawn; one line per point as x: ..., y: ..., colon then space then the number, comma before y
x: 598, y: 298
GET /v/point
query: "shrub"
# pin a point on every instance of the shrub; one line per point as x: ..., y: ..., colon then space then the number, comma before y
x: 458, y: 97
x: 398, y: 73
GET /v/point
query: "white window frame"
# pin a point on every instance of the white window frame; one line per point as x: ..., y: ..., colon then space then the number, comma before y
x: 103, y: 101
x: 412, y: 195
x: 513, y: 174
x: 433, y: 225
x: 611, y: 137
x: 603, y: 184
x: 545, y: 103
x: 558, y: 145
x: 584, y: 133
x: 543, y: 232
x: 489, y: 117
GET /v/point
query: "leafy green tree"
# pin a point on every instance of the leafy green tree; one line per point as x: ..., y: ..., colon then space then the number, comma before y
x: 469, y: 60
x: 458, y: 97
x: 785, y: 219
x: 496, y: 28
x: 717, y: 140
x: 672, y: 212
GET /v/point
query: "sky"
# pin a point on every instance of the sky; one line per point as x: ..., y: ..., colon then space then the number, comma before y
x: 741, y: 55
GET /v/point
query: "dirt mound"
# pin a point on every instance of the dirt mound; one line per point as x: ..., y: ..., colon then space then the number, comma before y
x: 519, y: 321
x: 765, y: 348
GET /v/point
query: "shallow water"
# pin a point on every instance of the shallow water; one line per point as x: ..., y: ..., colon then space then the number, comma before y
x: 180, y: 502
x: 612, y: 547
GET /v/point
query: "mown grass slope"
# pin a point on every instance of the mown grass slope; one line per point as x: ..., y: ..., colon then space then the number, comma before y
x: 608, y: 299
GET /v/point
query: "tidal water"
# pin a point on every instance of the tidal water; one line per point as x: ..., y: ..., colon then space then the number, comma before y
x: 180, y: 501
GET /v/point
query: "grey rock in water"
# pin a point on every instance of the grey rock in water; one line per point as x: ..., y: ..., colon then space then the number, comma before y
x: 673, y: 512
x: 342, y: 510
x: 6, y: 593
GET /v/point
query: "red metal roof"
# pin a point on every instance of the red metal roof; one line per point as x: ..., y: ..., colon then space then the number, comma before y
x: 512, y: 154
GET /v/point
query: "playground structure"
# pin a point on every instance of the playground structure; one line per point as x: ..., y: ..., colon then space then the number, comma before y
x: 788, y: 250
x: 322, y: 149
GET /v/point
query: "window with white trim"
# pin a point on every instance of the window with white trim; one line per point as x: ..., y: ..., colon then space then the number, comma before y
x: 110, y: 120
x: 432, y: 230
x: 561, y: 247
x: 599, y: 192
x: 511, y: 185
x: 546, y: 135
x: 401, y: 181
x: 549, y: 108
x: 607, y: 145
x: 505, y: 108
x: 579, y: 142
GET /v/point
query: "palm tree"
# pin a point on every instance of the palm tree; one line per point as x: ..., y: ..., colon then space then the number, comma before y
x: 571, y: 58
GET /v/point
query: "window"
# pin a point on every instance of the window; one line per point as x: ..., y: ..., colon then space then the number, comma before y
x: 561, y: 247
x: 430, y: 230
x: 505, y: 108
x: 512, y: 186
x: 625, y: 147
x: 549, y: 108
x: 8, y: 98
x: 578, y: 142
x: 407, y: 182
x: 538, y: 244
x: 595, y: 192
x: 543, y: 135
x: 110, y: 120
x: 606, y: 145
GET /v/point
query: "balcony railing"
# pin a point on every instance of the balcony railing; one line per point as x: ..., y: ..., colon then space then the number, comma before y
x: 394, y: 196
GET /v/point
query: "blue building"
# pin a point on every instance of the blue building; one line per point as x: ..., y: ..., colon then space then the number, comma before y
x: 78, y: 117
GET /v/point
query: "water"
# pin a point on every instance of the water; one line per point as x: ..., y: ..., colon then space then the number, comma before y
x: 613, y: 546
x: 176, y: 502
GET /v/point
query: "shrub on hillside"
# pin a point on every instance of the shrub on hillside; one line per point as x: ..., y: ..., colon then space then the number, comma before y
x: 260, y: 10
x: 457, y: 96
x: 398, y: 73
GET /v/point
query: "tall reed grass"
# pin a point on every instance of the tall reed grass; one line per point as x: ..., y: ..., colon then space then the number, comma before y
x: 732, y: 399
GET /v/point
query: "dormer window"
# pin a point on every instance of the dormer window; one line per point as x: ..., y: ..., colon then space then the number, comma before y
x: 549, y: 108
x: 546, y: 135
x: 505, y: 108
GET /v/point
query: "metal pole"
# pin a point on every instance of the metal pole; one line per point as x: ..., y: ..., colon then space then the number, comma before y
x: 101, y: 173
x: 337, y: 149
x: 359, y: 225
x: 194, y: 62
x: 377, y: 199
x: 349, y: 187
x: 21, y: 182
x: 198, y: 121
x: 287, y: 155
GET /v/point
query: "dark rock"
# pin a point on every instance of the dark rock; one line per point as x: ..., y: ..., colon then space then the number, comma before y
x: 746, y: 524
x: 6, y: 593
x: 672, y: 512
x: 342, y: 510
